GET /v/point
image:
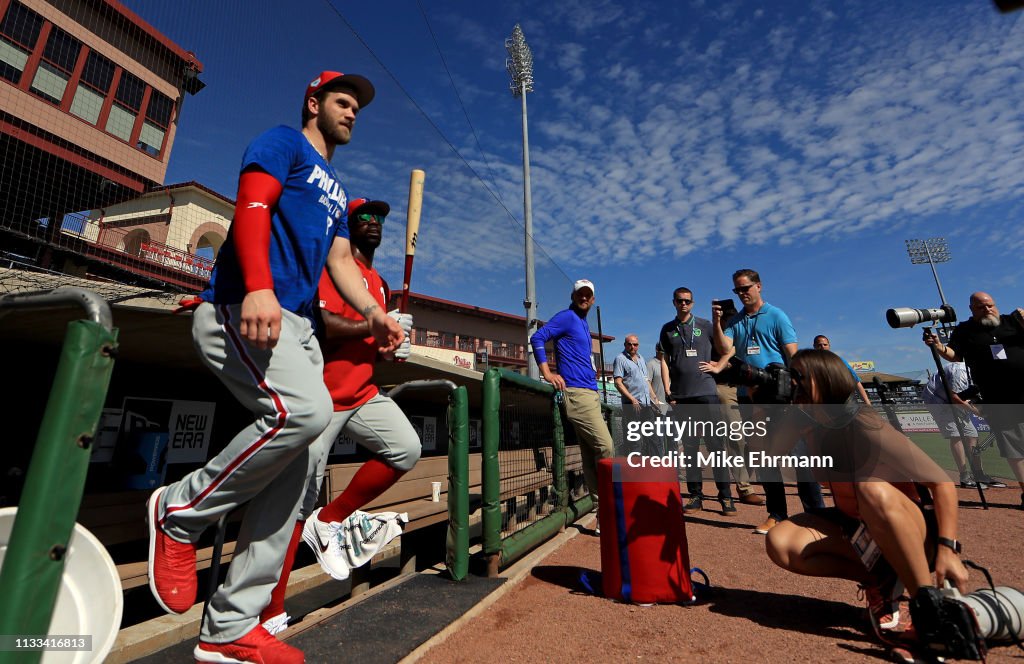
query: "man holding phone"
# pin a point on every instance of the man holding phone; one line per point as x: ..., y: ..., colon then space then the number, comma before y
x: 730, y: 405
x: 760, y: 335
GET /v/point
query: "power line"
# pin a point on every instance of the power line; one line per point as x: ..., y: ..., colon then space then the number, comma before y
x: 437, y: 129
x: 458, y: 96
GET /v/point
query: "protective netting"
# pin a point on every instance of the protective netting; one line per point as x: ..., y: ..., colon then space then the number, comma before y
x: 18, y: 278
x: 524, y: 458
x: 122, y: 128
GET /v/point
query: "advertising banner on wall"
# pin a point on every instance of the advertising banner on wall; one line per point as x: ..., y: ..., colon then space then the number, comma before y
x: 426, y: 427
x: 188, y: 425
x: 918, y: 422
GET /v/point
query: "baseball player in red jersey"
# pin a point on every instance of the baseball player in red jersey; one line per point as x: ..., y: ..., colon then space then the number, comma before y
x: 360, y: 411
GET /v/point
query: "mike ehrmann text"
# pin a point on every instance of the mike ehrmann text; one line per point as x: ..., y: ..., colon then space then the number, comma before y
x: 720, y: 459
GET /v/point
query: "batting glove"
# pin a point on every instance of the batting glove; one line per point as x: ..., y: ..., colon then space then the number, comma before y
x: 404, y: 320
x: 403, y: 350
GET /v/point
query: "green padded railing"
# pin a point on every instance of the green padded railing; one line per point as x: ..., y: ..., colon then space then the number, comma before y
x: 34, y: 561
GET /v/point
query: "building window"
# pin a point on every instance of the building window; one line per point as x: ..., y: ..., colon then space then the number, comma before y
x: 93, y: 87
x: 507, y: 350
x: 19, y: 32
x: 127, y: 101
x: 54, y: 72
x: 439, y: 339
x: 154, y: 128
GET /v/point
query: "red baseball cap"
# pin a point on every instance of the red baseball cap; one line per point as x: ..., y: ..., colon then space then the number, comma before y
x: 358, y: 205
x: 334, y: 80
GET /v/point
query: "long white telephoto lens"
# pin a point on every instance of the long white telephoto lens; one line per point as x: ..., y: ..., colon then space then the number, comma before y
x: 908, y: 317
x: 1000, y: 614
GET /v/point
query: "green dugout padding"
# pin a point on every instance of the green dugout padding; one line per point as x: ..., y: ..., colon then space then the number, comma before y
x: 457, y: 549
x: 498, y: 551
x: 34, y: 562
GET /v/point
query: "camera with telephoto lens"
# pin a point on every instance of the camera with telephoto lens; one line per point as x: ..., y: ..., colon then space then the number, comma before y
x: 774, y: 382
x: 959, y: 626
x: 907, y: 317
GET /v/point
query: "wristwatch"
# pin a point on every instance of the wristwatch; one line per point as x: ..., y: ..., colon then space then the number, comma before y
x: 950, y: 543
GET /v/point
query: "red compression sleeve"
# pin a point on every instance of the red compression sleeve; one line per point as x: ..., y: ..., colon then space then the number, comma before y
x: 258, y: 192
x: 372, y: 479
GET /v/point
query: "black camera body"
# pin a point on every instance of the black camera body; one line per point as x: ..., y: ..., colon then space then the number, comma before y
x: 972, y: 394
x: 774, y: 382
x: 946, y: 627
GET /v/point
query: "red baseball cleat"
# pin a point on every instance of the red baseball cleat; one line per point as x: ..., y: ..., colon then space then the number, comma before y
x: 257, y: 647
x: 172, y: 564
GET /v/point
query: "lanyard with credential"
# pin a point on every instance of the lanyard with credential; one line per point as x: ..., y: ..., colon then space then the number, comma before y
x: 753, y: 328
x: 681, y: 329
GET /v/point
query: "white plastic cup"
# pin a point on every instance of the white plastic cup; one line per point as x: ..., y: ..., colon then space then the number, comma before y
x: 435, y: 492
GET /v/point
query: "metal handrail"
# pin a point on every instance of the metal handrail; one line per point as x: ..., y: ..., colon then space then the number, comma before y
x: 95, y: 306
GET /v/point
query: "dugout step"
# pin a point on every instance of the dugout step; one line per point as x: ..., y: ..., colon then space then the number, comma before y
x: 384, y: 627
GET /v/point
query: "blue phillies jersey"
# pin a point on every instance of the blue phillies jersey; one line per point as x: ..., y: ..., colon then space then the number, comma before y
x: 310, y: 213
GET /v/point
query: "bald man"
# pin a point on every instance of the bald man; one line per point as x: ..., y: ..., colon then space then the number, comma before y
x: 992, y: 346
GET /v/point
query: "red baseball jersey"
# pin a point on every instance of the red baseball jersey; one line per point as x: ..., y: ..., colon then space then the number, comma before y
x: 348, y: 366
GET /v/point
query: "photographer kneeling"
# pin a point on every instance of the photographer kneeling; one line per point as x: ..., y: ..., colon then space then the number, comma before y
x: 876, y: 484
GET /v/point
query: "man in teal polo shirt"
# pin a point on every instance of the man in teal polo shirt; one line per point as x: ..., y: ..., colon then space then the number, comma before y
x: 761, y: 334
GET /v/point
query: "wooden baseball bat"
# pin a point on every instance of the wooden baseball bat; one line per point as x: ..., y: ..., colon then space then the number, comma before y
x: 412, y: 230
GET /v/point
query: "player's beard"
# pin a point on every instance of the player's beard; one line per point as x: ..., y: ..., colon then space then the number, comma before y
x: 991, y: 320
x: 332, y: 131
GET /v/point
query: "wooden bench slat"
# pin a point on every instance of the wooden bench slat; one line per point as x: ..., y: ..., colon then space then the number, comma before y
x: 137, y: 574
x: 118, y: 517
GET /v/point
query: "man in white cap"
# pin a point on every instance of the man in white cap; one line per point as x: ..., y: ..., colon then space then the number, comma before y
x: 576, y: 377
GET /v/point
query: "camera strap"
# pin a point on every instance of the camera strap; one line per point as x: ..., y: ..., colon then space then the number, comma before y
x: 996, y: 610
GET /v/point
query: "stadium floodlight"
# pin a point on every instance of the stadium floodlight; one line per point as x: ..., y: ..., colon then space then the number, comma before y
x: 520, y: 68
x: 933, y: 250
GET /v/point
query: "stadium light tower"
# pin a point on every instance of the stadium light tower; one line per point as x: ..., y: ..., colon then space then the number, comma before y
x: 933, y: 250
x: 520, y: 68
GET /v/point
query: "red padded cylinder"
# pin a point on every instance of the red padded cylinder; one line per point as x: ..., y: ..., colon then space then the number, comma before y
x: 644, y: 555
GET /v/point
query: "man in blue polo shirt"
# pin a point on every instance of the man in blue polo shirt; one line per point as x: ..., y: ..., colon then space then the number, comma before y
x: 576, y: 377
x: 761, y: 334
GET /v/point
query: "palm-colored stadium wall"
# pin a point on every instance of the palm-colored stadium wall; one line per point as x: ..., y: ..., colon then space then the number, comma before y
x: 34, y: 561
x: 457, y: 542
x: 497, y: 551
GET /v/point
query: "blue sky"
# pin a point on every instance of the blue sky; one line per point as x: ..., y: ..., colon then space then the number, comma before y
x: 671, y: 144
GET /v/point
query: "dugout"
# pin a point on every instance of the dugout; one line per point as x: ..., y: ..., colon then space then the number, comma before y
x: 158, y: 376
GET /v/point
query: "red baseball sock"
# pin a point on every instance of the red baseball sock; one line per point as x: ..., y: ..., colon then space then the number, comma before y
x: 276, y: 606
x: 371, y: 480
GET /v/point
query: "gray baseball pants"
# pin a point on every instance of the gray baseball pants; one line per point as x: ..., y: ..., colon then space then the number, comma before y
x: 379, y: 426
x: 265, y: 465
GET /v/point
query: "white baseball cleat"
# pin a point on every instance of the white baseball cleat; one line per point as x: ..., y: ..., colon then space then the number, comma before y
x: 325, y: 540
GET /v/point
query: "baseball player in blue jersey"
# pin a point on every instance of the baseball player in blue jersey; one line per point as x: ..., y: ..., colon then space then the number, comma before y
x: 254, y: 330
